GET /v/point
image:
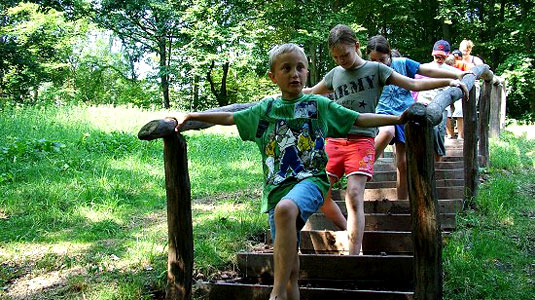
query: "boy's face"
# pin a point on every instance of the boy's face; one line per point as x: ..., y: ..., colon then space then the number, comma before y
x: 345, y: 55
x: 289, y: 72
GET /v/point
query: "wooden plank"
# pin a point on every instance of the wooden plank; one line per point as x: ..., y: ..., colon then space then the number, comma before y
x: 391, y: 194
x: 392, y: 184
x: 439, y: 174
x: 375, y: 242
x: 325, y: 267
x: 438, y: 166
x: 380, y: 222
x: 402, y: 206
x: 244, y: 291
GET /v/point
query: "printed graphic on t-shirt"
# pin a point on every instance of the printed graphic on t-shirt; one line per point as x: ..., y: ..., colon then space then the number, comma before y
x: 295, y: 148
x: 354, y: 87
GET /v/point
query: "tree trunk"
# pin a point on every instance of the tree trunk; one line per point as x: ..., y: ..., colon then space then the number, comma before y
x: 313, y: 64
x: 164, y: 78
x: 221, y: 95
x: 195, y: 92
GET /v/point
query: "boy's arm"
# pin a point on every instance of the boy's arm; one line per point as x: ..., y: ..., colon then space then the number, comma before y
x: 429, y: 71
x: 426, y: 83
x: 375, y: 120
x: 320, y: 88
x: 218, y: 118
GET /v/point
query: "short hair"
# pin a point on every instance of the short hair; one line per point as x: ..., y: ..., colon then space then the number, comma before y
x: 284, y: 48
x: 341, y: 34
x: 395, y: 53
x: 380, y: 44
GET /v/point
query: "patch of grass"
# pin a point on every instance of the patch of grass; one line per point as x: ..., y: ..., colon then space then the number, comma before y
x: 491, y: 255
x: 80, y: 194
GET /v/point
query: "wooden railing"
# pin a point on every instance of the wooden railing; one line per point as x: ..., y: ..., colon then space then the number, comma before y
x: 421, y: 175
x: 426, y: 229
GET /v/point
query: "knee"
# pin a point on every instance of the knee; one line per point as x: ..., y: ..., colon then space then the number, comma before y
x: 286, y: 210
x: 354, y: 194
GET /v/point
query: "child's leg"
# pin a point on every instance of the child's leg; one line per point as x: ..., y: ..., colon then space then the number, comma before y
x: 460, y: 127
x: 332, y: 210
x: 449, y: 128
x: 401, y: 165
x: 386, y: 134
x: 285, y: 248
x: 293, y: 287
x: 355, y: 212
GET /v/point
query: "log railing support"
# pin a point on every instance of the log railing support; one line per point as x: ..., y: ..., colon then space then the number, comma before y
x: 426, y: 231
x: 179, y: 220
x: 470, y: 149
x: 178, y: 190
x: 484, y: 115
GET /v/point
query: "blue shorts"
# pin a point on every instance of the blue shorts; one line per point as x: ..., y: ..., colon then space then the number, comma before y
x: 399, y: 135
x: 308, y: 199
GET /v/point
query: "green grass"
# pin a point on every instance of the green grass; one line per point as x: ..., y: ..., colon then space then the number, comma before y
x: 80, y: 194
x: 492, y: 253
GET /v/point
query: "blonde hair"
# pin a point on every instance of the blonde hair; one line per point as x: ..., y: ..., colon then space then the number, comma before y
x: 284, y: 48
x: 468, y: 44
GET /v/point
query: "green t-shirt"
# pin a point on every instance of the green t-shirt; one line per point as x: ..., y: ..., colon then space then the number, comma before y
x: 290, y: 135
x: 359, y: 89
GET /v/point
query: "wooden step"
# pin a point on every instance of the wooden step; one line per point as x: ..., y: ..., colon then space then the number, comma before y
x: 402, y: 206
x: 384, y: 166
x: 392, y: 184
x: 439, y: 174
x: 367, y: 271
x: 244, y: 291
x: 454, y: 192
x: 378, y: 222
x: 374, y: 242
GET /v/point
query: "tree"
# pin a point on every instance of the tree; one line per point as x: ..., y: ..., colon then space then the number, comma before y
x: 151, y: 24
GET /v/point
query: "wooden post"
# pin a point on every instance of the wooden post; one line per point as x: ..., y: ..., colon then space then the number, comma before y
x: 426, y: 230
x: 179, y: 222
x: 470, y: 153
x: 495, y: 109
x: 484, y: 114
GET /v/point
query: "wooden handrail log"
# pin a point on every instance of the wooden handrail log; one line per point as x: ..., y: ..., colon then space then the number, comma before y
x: 434, y: 110
x: 165, y: 127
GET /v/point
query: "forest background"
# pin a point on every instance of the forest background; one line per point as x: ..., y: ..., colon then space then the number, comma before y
x: 197, y: 54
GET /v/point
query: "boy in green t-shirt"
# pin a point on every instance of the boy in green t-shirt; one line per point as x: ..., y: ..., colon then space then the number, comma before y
x: 290, y: 133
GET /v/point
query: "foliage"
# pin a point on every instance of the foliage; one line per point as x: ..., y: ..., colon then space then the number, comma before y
x: 490, y: 255
x: 39, y: 46
x: 519, y: 72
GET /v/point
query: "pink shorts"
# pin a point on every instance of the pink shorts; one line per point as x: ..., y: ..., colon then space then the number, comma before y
x: 353, y: 155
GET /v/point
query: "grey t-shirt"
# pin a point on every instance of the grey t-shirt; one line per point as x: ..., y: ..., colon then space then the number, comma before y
x: 359, y: 89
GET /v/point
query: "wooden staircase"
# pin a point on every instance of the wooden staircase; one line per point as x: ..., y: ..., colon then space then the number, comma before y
x: 385, y: 271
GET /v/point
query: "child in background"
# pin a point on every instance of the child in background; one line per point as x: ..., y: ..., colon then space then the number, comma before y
x: 439, y: 131
x: 396, y: 99
x: 357, y: 84
x: 294, y: 186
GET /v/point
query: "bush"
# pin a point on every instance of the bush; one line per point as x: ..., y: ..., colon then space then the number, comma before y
x: 519, y: 71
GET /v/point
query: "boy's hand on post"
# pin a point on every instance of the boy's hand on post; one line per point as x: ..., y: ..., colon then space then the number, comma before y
x: 180, y: 120
x: 462, y: 86
x: 404, y: 117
